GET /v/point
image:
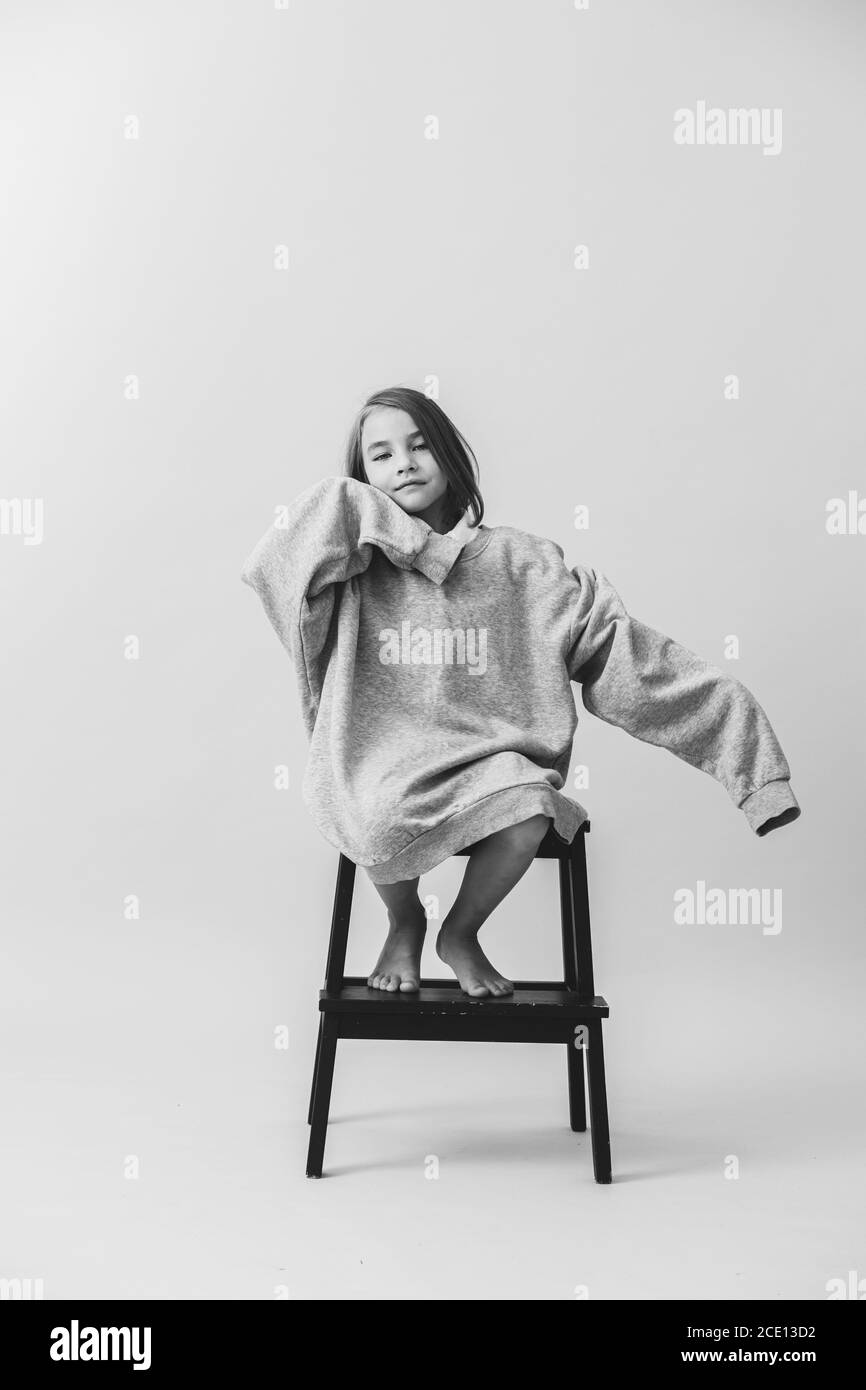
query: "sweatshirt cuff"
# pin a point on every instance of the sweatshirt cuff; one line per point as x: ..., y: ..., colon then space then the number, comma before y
x: 437, y: 555
x: 771, y: 806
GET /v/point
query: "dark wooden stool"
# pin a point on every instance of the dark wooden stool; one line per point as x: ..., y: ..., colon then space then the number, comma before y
x: 539, y: 1011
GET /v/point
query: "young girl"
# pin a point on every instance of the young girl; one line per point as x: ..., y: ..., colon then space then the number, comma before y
x: 434, y: 658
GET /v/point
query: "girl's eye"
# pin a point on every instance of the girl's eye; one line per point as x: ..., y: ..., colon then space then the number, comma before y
x: 378, y: 457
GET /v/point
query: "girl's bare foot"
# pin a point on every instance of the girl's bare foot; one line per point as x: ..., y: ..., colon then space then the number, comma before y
x: 459, y: 949
x: 399, y: 964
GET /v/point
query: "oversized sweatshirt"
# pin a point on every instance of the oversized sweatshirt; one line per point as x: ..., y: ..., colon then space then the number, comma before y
x: 435, y: 679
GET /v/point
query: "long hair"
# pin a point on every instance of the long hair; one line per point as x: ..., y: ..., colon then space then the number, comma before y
x: 445, y: 442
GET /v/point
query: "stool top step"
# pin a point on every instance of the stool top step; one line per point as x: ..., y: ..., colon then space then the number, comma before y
x: 441, y: 999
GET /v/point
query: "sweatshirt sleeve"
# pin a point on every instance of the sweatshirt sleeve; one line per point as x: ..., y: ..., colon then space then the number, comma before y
x: 327, y: 536
x: 660, y: 692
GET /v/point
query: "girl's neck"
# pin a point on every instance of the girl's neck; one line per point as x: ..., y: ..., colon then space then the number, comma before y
x: 437, y: 516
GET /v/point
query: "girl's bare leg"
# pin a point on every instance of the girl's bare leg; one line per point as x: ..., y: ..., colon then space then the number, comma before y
x: 495, y: 865
x: 399, y: 963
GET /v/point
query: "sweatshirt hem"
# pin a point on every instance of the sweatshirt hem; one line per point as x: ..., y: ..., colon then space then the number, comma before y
x: 474, y: 822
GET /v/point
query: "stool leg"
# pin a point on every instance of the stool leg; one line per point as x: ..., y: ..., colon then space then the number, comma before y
x: 322, y: 1097
x: 315, y: 1070
x: 598, y: 1103
x: 576, y: 1092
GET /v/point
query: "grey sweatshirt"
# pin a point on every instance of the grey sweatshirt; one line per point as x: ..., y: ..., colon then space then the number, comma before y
x: 434, y: 674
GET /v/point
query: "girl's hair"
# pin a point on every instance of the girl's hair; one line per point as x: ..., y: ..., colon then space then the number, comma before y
x: 446, y: 444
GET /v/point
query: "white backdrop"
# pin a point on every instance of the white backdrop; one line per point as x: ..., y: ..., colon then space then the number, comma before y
x: 225, y: 225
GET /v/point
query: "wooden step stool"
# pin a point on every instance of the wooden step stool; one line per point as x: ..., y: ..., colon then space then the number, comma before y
x: 539, y: 1011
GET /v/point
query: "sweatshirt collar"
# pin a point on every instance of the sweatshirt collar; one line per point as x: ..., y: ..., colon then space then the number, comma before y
x: 465, y: 533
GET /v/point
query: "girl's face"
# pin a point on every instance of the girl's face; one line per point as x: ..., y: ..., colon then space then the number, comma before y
x: 399, y: 463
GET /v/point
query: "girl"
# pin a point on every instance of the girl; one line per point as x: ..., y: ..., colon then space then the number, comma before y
x: 434, y: 658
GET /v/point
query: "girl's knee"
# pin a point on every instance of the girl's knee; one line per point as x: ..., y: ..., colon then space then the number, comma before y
x: 527, y: 834
x: 396, y: 895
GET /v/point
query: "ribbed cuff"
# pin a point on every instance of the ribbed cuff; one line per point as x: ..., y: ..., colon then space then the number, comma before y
x: 771, y: 806
x: 437, y: 555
